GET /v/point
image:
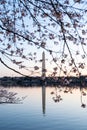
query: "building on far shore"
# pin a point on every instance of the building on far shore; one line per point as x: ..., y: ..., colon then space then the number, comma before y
x: 43, y: 66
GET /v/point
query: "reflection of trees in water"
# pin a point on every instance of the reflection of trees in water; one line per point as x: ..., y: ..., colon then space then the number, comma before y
x: 83, y: 93
x: 68, y: 90
x: 56, y: 96
x: 9, y: 97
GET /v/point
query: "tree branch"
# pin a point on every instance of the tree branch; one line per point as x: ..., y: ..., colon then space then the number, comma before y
x: 12, y: 68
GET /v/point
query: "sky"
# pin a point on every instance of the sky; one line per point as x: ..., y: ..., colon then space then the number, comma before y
x: 30, y: 71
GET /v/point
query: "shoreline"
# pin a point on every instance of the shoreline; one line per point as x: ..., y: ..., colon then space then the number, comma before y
x: 48, y: 81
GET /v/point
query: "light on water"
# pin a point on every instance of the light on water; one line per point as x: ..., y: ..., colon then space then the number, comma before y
x: 46, y: 108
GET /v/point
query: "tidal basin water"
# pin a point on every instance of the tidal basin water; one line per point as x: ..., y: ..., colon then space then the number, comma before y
x: 46, y: 108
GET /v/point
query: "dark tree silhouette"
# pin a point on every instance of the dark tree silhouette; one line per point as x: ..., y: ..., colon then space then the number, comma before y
x: 58, y: 27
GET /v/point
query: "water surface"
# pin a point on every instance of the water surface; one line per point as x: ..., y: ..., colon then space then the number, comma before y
x: 46, y: 108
